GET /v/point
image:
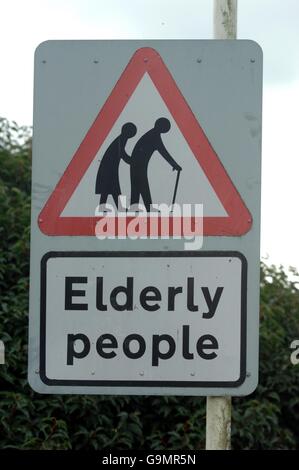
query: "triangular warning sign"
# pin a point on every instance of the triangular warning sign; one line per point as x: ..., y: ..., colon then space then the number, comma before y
x: 226, y: 213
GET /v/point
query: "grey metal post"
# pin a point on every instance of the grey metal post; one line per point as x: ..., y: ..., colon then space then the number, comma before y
x: 225, y: 19
x: 218, y: 425
x: 218, y: 411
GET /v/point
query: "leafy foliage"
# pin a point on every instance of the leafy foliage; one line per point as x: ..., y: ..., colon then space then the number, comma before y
x: 268, y: 419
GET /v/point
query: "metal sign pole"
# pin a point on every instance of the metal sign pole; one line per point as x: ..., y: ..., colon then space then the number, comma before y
x: 218, y: 410
x: 225, y: 19
x: 218, y: 426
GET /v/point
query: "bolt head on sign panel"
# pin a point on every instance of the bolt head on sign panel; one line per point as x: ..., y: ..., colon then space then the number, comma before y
x: 126, y: 298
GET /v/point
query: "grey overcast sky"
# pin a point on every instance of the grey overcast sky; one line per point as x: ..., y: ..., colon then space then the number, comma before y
x: 274, y: 24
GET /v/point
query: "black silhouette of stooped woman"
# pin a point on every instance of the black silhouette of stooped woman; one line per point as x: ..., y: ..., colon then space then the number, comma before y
x: 107, y: 182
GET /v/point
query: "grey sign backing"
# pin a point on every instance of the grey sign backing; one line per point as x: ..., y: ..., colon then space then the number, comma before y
x: 222, y: 83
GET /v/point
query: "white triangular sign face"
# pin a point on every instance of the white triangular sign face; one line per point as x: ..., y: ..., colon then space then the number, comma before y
x: 145, y: 93
x: 161, y: 176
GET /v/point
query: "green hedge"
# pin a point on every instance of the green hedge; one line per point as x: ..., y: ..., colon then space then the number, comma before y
x: 268, y: 419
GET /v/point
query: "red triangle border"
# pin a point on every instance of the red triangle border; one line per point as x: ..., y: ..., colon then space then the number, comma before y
x: 239, y: 220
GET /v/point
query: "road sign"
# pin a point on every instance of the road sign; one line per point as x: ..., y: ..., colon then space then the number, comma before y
x: 150, y: 122
x: 145, y: 92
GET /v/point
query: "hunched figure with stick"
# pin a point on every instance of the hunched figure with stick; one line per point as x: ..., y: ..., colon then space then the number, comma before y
x: 150, y: 142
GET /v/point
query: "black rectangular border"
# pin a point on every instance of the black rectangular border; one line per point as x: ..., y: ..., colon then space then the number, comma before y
x: 142, y: 254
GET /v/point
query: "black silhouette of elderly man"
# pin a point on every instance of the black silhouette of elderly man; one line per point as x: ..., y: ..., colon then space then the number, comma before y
x: 141, y: 155
x: 107, y: 182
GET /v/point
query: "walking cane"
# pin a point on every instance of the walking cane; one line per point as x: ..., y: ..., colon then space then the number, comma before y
x: 176, y: 186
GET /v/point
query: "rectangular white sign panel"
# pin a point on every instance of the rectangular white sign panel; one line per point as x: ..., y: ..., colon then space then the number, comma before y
x: 143, y: 319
